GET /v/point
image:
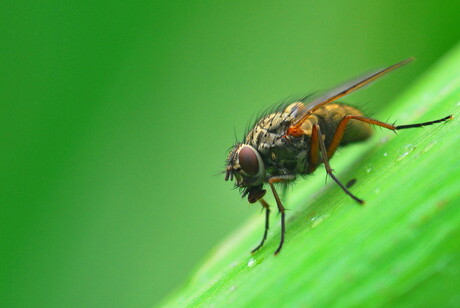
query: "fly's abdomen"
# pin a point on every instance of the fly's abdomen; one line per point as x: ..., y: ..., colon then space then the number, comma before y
x: 329, y: 118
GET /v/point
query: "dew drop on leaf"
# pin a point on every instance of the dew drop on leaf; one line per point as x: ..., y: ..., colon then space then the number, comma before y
x: 315, y: 221
x: 404, y: 151
x: 429, y: 146
x: 369, y: 168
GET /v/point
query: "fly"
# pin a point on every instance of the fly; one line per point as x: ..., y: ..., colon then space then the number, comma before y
x: 299, y: 137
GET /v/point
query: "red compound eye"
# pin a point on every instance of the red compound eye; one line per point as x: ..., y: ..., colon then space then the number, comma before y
x: 248, y: 161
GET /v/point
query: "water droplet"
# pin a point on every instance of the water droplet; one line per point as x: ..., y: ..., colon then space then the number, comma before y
x: 385, y: 154
x: 369, y: 168
x: 406, y: 150
x: 384, y: 139
x: 315, y: 221
x: 428, y: 147
x: 232, y: 288
x: 251, y: 262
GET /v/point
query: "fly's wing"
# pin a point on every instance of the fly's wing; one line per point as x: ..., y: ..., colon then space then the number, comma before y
x: 337, y: 93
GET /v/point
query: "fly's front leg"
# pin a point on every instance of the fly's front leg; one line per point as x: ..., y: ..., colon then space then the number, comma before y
x: 267, y: 221
x: 271, y: 181
x: 325, y: 157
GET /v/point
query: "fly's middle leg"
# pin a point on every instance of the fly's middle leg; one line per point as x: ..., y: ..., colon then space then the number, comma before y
x: 321, y: 148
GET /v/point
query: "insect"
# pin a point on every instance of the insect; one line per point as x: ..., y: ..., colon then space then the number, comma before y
x: 296, y: 139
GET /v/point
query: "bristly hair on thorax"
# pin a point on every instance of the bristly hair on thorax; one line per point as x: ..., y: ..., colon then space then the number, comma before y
x: 279, y: 107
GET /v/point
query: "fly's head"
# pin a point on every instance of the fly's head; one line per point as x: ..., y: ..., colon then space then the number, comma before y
x: 247, y: 167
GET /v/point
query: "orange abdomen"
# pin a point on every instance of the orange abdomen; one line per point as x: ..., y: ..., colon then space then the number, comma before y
x: 329, y: 116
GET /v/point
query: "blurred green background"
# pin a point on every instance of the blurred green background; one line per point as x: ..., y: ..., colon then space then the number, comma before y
x: 116, y: 118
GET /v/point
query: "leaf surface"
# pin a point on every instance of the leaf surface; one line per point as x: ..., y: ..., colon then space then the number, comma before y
x: 401, y: 249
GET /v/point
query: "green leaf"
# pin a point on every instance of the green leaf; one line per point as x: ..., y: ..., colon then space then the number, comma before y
x: 401, y: 249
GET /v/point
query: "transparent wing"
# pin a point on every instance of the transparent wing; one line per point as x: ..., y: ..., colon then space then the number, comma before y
x: 338, y: 92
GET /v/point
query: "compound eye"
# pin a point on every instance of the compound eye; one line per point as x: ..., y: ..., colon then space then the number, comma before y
x: 248, y: 161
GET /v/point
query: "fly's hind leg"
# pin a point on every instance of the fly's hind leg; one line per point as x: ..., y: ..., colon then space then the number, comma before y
x: 317, y: 147
x: 340, y: 131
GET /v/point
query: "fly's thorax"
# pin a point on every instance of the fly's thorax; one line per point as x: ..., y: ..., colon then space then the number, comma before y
x: 268, y: 130
x: 282, y: 154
